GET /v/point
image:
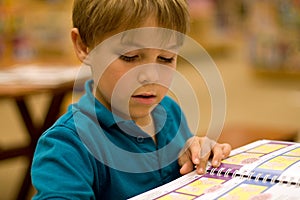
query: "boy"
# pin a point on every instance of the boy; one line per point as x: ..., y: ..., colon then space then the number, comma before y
x: 124, y: 136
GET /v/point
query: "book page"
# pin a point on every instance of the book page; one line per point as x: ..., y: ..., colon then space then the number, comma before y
x: 253, y: 190
x: 219, y: 187
x: 274, y: 159
x: 260, y: 170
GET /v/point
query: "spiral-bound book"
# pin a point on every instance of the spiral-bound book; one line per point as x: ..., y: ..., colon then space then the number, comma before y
x: 264, y: 169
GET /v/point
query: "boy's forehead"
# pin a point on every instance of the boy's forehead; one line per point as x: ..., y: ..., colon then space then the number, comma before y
x: 151, y: 38
x: 140, y: 38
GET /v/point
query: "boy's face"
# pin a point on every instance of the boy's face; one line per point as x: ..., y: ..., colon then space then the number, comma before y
x: 139, y: 76
x: 138, y: 80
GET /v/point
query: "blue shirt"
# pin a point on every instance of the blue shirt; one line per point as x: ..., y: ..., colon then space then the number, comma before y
x: 90, y: 153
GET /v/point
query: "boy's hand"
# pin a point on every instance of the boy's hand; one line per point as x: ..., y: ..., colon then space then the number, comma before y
x: 197, y: 151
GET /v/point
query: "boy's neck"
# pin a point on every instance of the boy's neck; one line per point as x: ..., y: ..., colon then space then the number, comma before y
x: 148, y: 128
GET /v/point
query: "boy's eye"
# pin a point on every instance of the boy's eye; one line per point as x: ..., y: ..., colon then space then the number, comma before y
x: 128, y: 58
x: 164, y: 59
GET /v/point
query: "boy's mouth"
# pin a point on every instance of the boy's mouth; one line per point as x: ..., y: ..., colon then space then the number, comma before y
x: 144, y: 98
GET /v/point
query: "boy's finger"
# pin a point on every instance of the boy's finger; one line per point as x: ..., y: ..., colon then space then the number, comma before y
x: 218, y: 155
x: 201, y: 167
x: 226, y: 149
x: 220, y: 152
x: 186, y: 167
x: 195, y: 150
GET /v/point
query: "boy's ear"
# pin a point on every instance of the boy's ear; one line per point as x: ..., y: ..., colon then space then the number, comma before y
x: 80, y: 48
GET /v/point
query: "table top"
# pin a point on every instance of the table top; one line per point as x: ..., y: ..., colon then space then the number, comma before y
x: 31, y: 79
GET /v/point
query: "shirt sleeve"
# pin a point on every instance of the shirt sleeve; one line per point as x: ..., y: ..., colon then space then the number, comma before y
x: 62, y: 167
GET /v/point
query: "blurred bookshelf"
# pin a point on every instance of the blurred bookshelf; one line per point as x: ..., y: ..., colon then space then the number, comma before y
x: 269, y: 29
x: 38, y: 31
x: 274, y: 38
x: 35, y: 31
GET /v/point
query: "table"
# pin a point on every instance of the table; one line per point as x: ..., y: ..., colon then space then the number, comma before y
x: 19, y: 83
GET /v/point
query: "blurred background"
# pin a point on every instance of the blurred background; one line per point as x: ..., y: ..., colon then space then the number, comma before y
x: 255, y: 45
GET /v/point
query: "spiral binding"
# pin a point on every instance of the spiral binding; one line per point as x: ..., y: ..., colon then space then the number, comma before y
x: 282, y: 180
x: 290, y: 182
x: 266, y: 178
x: 273, y: 180
x: 212, y: 172
x: 244, y: 175
x: 250, y: 176
x: 298, y: 183
x: 257, y: 177
x: 235, y: 173
x: 228, y: 172
x: 220, y: 171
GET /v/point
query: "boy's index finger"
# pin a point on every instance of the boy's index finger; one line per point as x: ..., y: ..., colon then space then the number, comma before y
x: 220, y: 152
x: 195, y: 150
x: 206, y: 146
x: 204, y: 154
x: 218, y: 155
x: 226, y: 149
x: 200, y: 150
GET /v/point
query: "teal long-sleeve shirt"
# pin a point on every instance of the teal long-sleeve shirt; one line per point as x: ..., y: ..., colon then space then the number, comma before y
x: 90, y: 153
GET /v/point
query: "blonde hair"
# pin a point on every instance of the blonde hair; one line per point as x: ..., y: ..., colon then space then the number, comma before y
x: 94, y: 18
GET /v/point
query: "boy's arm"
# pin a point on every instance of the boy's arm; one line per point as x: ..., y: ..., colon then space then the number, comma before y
x: 197, y: 151
x: 61, y: 168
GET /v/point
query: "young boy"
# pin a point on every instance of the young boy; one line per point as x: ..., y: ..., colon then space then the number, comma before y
x: 124, y: 136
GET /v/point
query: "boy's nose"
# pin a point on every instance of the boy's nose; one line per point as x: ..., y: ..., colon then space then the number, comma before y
x: 148, y: 74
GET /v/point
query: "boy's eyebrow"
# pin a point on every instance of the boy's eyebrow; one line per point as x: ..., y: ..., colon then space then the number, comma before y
x: 154, y: 37
x: 135, y: 45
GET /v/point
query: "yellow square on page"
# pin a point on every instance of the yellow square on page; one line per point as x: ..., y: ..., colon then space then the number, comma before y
x: 199, y: 186
x: 242, y: 158
x: 267, y: 148
x: 295, y: 152
x: 243, y: 191
x: 176, y: 196
x: 279, y: 163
